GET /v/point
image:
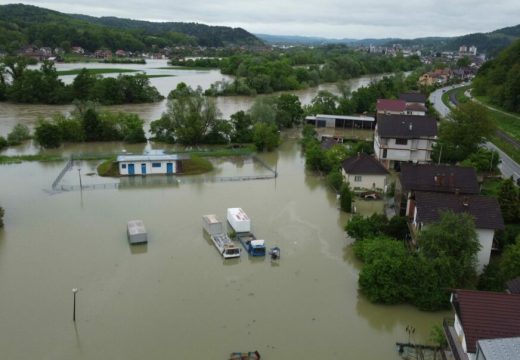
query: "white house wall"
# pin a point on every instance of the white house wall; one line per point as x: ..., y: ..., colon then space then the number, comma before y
x: 485, y: 237
x: 416, y: 150
x: 150, y: 169
x: 367, y: 181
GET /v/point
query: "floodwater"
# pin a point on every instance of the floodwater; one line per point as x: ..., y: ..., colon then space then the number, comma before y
x: 11, y: 114
x: 176, y: 298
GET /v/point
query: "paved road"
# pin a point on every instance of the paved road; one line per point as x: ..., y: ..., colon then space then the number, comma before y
x: 507, y: 166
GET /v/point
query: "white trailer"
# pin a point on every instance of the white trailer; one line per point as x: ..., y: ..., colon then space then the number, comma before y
x: 212, y: 225
x: 238, y: 220
x: 136, y: 232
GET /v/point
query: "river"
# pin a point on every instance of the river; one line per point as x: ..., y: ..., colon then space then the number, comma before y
x: 10, y: 114
x: 176, y: 298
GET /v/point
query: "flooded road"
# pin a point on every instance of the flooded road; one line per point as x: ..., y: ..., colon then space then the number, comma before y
x: 176, y: 298
x: 11, y: 114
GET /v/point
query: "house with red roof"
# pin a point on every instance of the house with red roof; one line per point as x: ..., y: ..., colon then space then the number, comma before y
x: 478, y: 316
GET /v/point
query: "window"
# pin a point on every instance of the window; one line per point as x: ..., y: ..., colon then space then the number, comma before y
x: 357, y: 178
x: 123, y: 166
x: 385, y: 153
x: 401, y: 141
x: 156, y: 165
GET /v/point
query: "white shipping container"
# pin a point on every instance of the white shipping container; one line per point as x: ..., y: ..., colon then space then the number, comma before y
x: 136, y: 232
x: 238, y: 220
x: 212, y: 225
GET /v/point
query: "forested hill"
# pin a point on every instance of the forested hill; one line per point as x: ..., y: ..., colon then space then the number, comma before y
x: 206, y: 35
x: 25, y: 24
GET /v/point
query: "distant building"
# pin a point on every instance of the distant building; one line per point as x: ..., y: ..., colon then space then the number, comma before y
x: 77, y: 50
x: 404, y: 138
x: 121, y: 53
x: 363, y: 171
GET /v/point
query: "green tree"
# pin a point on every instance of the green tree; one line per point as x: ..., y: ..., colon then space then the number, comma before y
x: 242, y: 127
x: 468, y: 126
x: 263, y: 110
x: 83, y: 84
x: 361, y: 228
x: 18, y: 134
x: 453, y: 238
x: 345, y: 198
x: 510, y: 262
x: 47, y: 134
x: 3, y: 143
x: 483, y: 160
x: 189, y: 117
x: 335, y: 180
x: 289, y: 111
x: 92, y: 125
x: 2, y: 213
x: 265, y: 136
x: 509, y: 200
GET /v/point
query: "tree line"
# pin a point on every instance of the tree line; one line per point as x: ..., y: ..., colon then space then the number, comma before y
x: 267, y: 72
x: 20, y: 84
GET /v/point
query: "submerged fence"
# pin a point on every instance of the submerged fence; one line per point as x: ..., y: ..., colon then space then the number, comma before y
x: 150, y: 181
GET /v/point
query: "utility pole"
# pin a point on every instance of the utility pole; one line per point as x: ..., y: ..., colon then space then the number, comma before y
x: 440, y: 156
x: 74, y: 291
x: 79, y: 174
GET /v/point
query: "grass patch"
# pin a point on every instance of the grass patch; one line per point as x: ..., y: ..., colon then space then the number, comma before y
x: 96, y: 71
x: 506, y: 121
x: 17, y: 159
x: 491, y: 187
x: 506, y: 147
x: 108, y: 168
x: 196, y: 166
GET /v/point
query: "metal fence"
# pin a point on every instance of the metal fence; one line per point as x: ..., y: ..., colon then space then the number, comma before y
x: 67, y: 167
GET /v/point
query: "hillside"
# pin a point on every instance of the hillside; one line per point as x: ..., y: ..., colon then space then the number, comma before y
x: 25, y: 24
x: 499, y: 79
x: 489, y: 43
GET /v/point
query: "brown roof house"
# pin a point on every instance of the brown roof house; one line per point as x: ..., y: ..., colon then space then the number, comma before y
x: 404, y: 138
x: 481, y: 315
x: 364, y: 172
x: 433, y: 178
x: 426, y: 207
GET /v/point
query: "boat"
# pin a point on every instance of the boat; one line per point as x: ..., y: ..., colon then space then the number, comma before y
x: 251, y: 355
x: 225, y: 246
x: 274, y: 253
x: 221, y: 240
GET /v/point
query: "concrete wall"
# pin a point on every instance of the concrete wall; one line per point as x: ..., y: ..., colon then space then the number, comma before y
x: 150, y: 169
x: 485, y: 237
x: 367, y: 181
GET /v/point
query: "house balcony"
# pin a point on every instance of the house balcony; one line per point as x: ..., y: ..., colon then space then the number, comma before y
x: 454, y: 344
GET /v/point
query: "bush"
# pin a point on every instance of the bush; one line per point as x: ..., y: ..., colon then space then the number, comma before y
x: 3, y: 143
x: 345, y: 198
x: 335, y: 180
x: 18, y: 134
x: 2, y: 212
x: 47, y: 134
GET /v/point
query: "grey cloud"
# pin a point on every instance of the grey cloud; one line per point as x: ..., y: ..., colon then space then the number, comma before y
x: 330, y: 18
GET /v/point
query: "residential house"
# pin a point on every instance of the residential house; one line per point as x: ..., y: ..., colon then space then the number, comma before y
x: 400, y: 107
x: 121, y: 53
x: 415, y: 103
x: 433, y: 178
x: 481, y: 315
x: 103, y: 54
x: 77, y: 50
x: 404, y: 138
x: 341, y: 121
x: 437, y: 77
x: 426, y: 208
x: 364, y: 172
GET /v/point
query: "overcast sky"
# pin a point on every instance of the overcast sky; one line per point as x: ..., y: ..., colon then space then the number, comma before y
x: 328, y: 18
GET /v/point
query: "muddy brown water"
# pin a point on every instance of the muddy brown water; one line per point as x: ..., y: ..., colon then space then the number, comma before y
x: 176, y: 298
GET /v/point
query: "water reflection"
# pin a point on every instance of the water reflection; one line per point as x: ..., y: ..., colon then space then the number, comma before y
x: 138, y: 249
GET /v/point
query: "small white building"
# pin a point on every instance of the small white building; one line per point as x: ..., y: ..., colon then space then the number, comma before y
x: 363, y: 172
x: 150, y: 164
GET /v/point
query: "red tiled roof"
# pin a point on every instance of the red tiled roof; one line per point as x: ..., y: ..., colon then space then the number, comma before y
x: 416, y: 107
x: 487, y: 315
x: 390, y: 105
